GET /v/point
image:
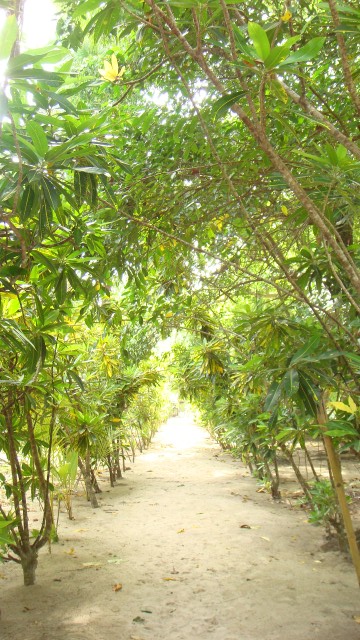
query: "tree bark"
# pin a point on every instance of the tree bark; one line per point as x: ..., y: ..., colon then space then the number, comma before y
x: 85, y: 470
x: 29, y: 561
x: 335, y: 466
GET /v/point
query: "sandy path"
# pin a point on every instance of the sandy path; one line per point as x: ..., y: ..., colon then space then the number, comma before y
x: 171, y: 534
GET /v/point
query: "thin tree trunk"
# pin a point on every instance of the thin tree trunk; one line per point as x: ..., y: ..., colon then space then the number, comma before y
x: 29, y: 561
x: 308, y: 457
x: 335, y: 465
x: 94, y: 482
x: 111, y: 474
x: 304, y: 485
x: 85, y: 470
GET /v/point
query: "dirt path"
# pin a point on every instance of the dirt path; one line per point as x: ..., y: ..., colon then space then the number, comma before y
x: 171, y: 533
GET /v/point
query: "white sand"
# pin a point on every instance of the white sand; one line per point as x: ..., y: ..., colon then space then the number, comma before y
x: 171, y: 534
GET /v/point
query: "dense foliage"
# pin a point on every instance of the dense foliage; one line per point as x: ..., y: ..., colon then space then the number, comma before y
x: 206, y: 181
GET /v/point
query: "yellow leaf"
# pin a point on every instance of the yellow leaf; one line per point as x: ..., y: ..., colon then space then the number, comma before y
x: 117, y: 587
x: 170, y: 579
x: 115, y: 420
x: 169, y: 314
x: 111, y: 70
x: 181, y: 531
x: 284, y: 210
x: 341, y: 406
x: 352, y: 404
x: 107, y: 66
x: 114, y: 64
x: 287, y: 16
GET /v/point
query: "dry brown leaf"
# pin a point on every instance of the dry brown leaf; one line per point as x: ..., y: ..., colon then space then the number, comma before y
x: 245, y: 526
x: 117, y: 587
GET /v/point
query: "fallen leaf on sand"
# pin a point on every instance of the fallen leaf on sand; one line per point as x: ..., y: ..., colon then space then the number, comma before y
x: 70, y: 552
x: 80, y: 530
x: 117, y: 587
x: 116, y: 561
x: 168, y: 579
x: 181, y: 531
x: 265, y: 538
x: 245, y: 526
x: 357, y: 619
x: 91, y: 564
x: 139, y: 619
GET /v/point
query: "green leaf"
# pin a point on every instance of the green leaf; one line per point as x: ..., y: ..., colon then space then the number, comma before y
x: 309, y: 394
x: 259, y: 39
x: 273, y: 396
x: 27, y: 203
x: 51, y: 194
x: 36, y: 357
x: 340, y: 429
x: 73, y: 375
x: 39, y: 309
x: 61, y: 288
x: 48, y: 55
x: 49, y: 77
x: 306, y: 350
x: 276, y: 55
x: 44, y: 260
x: 332, y: 155
x: 125, y: 166
x: 63, y: 102
x: 38, y: 137
x: 90, y: 169
x: 23, y: 60
x: 291, y: 382
x: 86, y: 7
x: 8, y: 35
x: 222, y: 106
x: 305, y: 53
x: 353, y: 357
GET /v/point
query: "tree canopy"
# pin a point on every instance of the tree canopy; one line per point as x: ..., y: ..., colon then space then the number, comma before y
x: 177, y: 165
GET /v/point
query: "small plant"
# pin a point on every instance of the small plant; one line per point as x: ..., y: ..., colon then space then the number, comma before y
x: 325, y: 510
x: 66, y: 474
